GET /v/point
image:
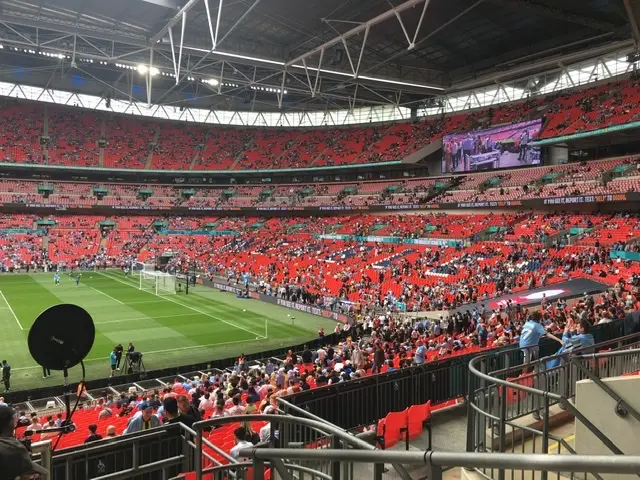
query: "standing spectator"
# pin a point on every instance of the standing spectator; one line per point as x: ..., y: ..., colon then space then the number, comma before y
x: 532, y: 332
x: 421, y: 353
x: 119, y: 349
x: 113, y: 361
x: 142, y: 421
x: 6, y: 375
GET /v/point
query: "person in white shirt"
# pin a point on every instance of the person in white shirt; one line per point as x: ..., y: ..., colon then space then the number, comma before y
x: 219, y: 411
x: 35, y: 424
x: 237, y: 409
x: 240, y: 436
x: 206, y: 403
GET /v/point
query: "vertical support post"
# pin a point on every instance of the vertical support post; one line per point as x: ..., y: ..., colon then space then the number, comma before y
x: 150, y: 77
x: 378, y: 470
x: 73, y: 54
x: 545, y: 431
x: 335, y: 466
x: 470, y: 413
x: 502, y: 398
x: 434, y: 472
x: 199, y: 454
x: 258, y: 469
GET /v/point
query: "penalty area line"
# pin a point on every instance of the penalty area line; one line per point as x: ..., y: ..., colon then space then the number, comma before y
x: 168, y: 299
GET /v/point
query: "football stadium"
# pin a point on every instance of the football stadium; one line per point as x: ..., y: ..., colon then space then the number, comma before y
x: 323, y: 239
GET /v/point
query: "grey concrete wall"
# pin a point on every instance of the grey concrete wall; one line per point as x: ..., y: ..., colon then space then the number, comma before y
x: 599, y: 408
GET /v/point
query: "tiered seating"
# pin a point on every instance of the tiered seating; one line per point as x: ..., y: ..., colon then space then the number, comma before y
x: 20, y: 128
x: 128, y: 142
x: 593, y: 108
x: 177, y: 146
x: 70, y: 245
x: 74, y: 137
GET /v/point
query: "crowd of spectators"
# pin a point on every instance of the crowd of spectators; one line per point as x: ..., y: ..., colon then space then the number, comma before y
x: 97, y: 139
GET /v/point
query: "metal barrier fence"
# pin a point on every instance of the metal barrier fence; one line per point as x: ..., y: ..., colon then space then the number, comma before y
x: 356, y: 464
x: 156, y: 454
x: 365, y: 401
x: 502, y: 391
x: 289, y: 432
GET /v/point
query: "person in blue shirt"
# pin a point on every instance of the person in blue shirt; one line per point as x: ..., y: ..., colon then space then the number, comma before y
x: 532, y: 332
x: 421, y: 353
x: 113, y: 360
x: 574, y: 337
x: 56, y: 278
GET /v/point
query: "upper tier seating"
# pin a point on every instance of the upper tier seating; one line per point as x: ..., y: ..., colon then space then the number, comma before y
x: 136, y: 142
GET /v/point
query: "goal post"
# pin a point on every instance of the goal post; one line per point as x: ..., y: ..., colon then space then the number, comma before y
x: 159, y: 283
x: 138, y: 267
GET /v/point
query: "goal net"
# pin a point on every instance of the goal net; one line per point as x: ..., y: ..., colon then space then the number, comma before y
x: 139, y: 267
x: 159, y: 283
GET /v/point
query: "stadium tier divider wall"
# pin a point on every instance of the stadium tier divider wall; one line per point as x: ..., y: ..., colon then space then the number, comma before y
x: 365, y: 401
x: 627, y: 201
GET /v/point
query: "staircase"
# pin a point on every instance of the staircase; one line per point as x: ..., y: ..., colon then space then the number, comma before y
x: 326, y: 149
x: 241, y: 154
x: 154, y: 142
x: 199, y: 152
x: 103, y: 130
x: 45, y: 133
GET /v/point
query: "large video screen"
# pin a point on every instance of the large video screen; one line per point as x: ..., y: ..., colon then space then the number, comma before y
x: 499, y: 147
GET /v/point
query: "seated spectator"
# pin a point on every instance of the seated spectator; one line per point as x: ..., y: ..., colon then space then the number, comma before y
x: 174, y: 415
x: 240, y: 439
x: 93, y: 435
x: 35, y: 424
x: 111, y: 431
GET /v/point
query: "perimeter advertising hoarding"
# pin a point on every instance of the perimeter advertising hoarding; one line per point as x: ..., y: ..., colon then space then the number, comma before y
x: 312, y: 309
x: 493, y: 148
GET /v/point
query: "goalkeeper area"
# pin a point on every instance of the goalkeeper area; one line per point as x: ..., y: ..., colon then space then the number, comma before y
x: 170, y: 328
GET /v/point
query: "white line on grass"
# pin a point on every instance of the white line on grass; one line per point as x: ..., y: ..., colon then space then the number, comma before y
x: 146, y: 318
x: 153, y: 352
x: 11, y: 310
x: 190, y: 307
x: 105, y: 294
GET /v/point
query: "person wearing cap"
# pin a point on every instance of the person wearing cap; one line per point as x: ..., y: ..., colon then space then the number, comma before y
x: 144, y: 421
x: 15, y: 460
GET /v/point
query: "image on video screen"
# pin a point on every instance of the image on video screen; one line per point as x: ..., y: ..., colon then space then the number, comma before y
x: 507, y: 146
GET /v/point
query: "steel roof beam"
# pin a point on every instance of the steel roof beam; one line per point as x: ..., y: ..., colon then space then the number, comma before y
x: 632, y: 7
x: 172, y: 4
x: 393, y: 12
x: 174, y: 20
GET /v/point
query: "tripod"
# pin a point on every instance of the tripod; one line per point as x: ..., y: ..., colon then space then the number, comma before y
x: 133, y: 363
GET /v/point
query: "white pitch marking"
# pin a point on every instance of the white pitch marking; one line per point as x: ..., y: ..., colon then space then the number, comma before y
x: 189, y: 307
x: 11, y: 310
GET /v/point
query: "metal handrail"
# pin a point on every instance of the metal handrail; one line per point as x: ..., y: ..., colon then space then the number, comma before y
x: 554, y: 463
x: 325, y: 428
x: 582, y: 351
x: 490, y: 377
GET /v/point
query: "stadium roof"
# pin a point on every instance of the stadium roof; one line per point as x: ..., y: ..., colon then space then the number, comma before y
x: 245, y: 54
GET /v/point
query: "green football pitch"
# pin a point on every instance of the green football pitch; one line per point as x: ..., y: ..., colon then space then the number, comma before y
x: 170, y: 330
